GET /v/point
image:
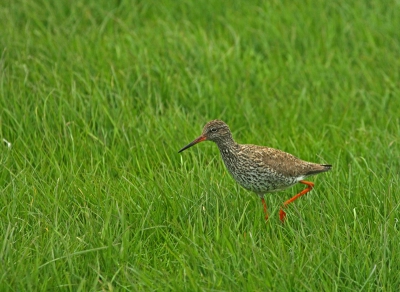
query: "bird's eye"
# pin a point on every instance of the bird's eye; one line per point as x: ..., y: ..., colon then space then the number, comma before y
x: 213, y: 130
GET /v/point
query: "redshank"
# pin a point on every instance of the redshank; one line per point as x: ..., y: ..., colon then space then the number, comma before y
x: 257, y: 168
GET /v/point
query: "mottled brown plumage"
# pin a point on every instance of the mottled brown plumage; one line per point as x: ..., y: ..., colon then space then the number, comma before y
x: 257, y: 168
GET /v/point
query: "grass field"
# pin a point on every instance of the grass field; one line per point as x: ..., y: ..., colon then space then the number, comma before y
x: 97, y: 97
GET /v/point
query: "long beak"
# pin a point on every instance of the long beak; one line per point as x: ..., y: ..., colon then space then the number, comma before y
x: 201, y: 138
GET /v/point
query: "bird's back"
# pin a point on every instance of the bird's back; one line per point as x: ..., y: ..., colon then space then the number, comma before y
x: 263, y: 169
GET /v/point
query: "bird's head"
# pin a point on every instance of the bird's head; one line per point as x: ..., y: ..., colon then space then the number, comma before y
x: 216, y: 131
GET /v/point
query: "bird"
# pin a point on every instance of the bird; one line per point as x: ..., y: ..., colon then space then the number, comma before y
x: 260, y: 169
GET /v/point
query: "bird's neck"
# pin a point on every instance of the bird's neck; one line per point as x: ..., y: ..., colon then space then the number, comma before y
x: 226, y: 145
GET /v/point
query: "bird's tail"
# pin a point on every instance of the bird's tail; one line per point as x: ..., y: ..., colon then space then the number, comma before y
x: 319, y: 169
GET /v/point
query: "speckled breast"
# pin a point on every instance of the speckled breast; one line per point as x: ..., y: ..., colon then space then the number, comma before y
x: 253, y: 177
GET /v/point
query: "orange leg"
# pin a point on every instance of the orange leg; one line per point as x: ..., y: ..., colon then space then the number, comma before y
x: 310, y: 185
x: 265, y: 208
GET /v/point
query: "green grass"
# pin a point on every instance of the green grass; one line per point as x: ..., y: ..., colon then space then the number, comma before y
x: 97, y: 97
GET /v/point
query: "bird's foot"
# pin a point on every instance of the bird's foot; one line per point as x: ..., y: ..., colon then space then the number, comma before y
x: 282, y: 215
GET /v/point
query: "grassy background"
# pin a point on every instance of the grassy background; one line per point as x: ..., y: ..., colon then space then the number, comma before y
x: 96, y: 98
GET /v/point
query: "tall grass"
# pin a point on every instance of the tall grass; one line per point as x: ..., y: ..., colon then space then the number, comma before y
x: 96, y: 97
